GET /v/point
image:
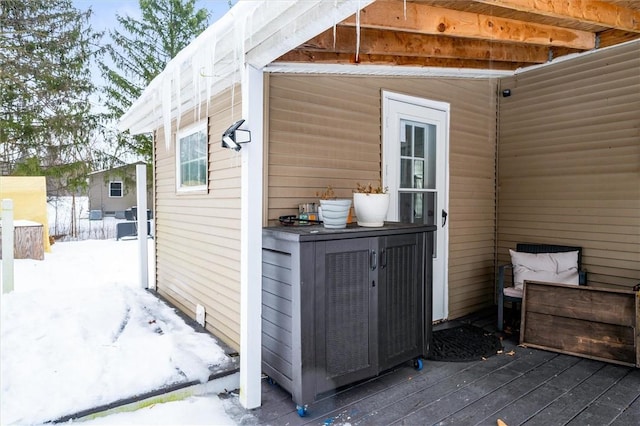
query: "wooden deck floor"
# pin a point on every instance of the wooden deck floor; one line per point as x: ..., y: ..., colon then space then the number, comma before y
x: 520, y: 386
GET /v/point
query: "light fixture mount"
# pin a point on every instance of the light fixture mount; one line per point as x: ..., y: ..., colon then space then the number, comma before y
x: 234, y: 136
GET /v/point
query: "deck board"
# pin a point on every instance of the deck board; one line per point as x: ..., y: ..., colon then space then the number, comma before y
x: 528, y: 386
x: 537, y: 399
x: 568, y: 406
x: 486, y: 409
x: 630, y: 416
x: 445, y: 410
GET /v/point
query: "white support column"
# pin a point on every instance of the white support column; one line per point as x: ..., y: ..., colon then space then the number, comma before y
x: 141, y: 188
x: 7, y: 245
x: 251, y: 241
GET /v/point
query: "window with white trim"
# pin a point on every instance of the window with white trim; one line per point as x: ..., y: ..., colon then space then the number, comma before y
x: 191, y: 159
x: 115, y: 189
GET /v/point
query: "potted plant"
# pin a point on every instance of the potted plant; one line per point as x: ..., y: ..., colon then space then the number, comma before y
x: 371, y: 204
x: 333, y: 211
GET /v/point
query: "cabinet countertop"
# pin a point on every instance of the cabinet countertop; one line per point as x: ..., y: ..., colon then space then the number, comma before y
x: 320, y: 233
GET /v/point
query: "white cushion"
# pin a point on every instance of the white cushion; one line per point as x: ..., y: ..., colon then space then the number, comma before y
x: 547, y: 267
x: 513, y: 292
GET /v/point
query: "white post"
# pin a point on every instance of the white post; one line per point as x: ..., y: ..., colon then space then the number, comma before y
x: 7, y: 245
x: 251, y: 242
x: 141, y: 188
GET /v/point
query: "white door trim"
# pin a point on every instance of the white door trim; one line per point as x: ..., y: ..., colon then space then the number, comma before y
x: 443, y: 232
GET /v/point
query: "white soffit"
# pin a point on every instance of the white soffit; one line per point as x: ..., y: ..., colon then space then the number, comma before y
x: 256, y: 32
x: 383, y: 70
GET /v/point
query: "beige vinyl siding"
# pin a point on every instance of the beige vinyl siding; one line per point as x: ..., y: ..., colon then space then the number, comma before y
x: 569, y: 161
x: 198, y: 235
x: 325, y: 130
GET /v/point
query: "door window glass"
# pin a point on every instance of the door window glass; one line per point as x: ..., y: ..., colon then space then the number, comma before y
x: 417, y: 196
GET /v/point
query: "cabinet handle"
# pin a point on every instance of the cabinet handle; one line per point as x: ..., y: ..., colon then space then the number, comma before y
x: 383, y: 259
x: 373, y: 260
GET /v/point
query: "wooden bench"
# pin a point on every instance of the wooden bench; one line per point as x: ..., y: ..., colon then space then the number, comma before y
x: 591, y: 322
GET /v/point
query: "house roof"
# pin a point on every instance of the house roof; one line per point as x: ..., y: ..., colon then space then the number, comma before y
x: 253, y: 31
x: 403, y: 37
x: 117, y: 168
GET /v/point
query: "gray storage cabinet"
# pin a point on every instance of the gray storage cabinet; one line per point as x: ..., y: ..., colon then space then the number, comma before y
x: 339, y: 306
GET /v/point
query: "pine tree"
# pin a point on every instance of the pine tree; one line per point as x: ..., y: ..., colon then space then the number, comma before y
x: 140, y: 51
x: 45, y: 83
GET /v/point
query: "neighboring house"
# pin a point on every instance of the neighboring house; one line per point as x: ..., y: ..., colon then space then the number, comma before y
x: 533, y: 136
x: 114, y: 191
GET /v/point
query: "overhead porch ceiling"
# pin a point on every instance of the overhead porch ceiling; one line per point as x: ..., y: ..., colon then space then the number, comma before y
x: 424, y: 37
x: 478, y: 34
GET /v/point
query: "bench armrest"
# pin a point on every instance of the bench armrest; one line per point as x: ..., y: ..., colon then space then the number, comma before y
x: 582, y: 277
x: 501, y: 270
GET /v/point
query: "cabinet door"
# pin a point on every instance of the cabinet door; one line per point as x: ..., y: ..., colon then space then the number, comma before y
x: 345, y: 311
x: 401, y: 299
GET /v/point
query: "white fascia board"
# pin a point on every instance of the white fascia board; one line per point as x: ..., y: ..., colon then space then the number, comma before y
x: 383, y: 70
x: 305, y: 20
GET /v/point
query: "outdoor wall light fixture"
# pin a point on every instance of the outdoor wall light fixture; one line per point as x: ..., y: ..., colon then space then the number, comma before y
x: 233, y: 136
x: 506, y: 93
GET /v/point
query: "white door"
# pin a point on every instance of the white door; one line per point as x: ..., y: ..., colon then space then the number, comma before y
x: 415, y: 169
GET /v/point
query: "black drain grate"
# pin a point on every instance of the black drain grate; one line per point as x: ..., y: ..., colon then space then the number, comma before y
x: 463, y: 343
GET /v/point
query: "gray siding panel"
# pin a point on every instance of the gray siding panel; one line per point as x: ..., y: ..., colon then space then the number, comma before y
x: 326, y: 130
x: 569, y: 161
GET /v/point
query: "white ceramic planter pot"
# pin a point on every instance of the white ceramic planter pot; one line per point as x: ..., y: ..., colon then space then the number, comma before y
x: 335, y: 213
x: 371, y: 209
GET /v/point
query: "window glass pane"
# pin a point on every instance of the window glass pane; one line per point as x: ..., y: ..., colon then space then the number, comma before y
x: 406, y: 141
x: 418, y: 207
x: 406, y: 207
x: 193, y: 160
x: 419, y: 142
x: 115, y: 189
x: 431, y: 158
x: 418, y: 174
x: 406, y: 173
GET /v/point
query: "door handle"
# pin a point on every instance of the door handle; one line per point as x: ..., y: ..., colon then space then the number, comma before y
x: 373, y: 260
x: 444, y: 217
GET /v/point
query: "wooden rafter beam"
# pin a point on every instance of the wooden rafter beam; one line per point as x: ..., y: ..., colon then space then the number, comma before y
x: 306, y: 56
x: 389, y: 43
x: 590, y: 11
x: 613, y: 37
x: 420, y: 18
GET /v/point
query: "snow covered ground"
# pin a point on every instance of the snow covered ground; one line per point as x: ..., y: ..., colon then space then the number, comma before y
x: 79, y: 332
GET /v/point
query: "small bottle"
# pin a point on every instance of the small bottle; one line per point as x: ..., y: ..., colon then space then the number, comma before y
x: 302, y: 216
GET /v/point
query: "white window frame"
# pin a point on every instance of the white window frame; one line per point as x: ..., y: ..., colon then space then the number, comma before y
x: 182, y: 134
x: 111, y: 182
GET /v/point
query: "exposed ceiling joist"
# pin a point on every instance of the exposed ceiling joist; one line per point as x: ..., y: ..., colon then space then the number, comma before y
x: 424, y: 19
x: 496, y: 34
x: 378, y: 42
x: 590, y: 11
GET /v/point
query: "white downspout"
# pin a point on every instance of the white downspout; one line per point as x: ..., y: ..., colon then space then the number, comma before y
x: 251, y: 241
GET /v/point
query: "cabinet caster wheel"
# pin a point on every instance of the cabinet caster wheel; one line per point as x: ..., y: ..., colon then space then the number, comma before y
x: 418, y: 364
x: 302, y: 410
